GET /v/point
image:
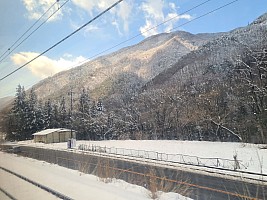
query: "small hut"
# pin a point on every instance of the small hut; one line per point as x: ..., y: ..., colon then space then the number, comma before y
x: 54, y: 135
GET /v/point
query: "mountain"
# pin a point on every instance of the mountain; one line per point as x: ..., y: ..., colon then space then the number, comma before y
x: 169, y: 86
x: 5, y: 101
x: 5, y: 106
x: 164, y: 58
x: 216, y: 52
x: 216, y: 92
x: 137, y: 64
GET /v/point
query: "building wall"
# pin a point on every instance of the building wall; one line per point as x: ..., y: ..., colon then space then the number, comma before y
x: 49, y: 138
x: 54, y: 137
x: 66, y: 135
x: 40, y: 138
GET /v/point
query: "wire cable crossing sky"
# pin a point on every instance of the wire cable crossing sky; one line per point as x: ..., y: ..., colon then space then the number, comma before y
x: 126, y: 24
x: 28, y: 30
x: 11, y: 50
x: 63, y: 39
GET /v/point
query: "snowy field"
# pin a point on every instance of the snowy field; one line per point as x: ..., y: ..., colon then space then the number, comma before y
x: 253, y: 157
x: 73, y: 183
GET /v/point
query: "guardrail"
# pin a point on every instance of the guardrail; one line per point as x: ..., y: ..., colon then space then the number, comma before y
x: 173, y: 158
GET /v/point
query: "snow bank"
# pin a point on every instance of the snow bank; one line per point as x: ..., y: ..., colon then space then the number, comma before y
x: 253, y: 157
x: 75, y: 184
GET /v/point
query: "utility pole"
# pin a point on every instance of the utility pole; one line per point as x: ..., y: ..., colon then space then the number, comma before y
x: 71, y: 107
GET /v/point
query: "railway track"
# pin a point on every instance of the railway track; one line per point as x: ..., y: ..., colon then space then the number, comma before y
x: 15, y: 187
x: 202, y: 186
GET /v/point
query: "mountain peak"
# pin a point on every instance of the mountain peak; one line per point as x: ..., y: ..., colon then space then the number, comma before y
x: 261, y: 20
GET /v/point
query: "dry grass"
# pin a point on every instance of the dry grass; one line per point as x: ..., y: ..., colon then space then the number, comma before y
x: 158, y: 182
x: 105, y: 170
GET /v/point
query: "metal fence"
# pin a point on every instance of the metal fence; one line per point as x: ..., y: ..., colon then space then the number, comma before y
x: 167, y: 179
x: 165, y: 157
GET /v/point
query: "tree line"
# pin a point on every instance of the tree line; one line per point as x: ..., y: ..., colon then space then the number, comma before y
x: 226, y: 103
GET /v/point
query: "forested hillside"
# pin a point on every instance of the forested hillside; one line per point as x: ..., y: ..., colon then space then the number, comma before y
x: 170, y: 86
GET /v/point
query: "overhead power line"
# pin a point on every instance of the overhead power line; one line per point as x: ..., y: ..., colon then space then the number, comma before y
x: 10, y: 50
x: 212, y: 11
x: 216, y: 9
x: 28, y: 29
x: 65, y: 38
x: 149, y: 29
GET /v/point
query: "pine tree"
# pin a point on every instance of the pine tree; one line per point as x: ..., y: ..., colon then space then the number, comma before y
x: 31, y: 115
x: 84, y: 104
x: 17, y: 116
x: 48, y: 114
x: 83, y: 116
x: 63, y: 113
x: 55, y: 118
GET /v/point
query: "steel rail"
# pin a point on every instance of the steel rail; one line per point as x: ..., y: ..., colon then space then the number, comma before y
x: 7, y: 194
x: 49, y: 190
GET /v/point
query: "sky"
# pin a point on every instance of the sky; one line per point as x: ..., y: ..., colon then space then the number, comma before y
x: 128, y: 19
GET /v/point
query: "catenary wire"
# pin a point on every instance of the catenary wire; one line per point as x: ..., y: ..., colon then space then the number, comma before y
x: 212, y: 11
x: 149, y: 29
x: 144, y: 31
x: 216, y: 9
x: 62, y: 40
x: 35, y: 30
x: 28, y: 29
x: 125, y: 41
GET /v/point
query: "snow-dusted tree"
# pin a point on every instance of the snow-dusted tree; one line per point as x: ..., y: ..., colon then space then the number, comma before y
x: 17, y: 116
x: 84, y: 104
x: 48, y: 114
x: 55, y: 117
x: 252, y: 71
x: 93, y: 109
x: 82, y: 117
x: 63, y: 113
x: 40, y: 117
x: 31, y: 125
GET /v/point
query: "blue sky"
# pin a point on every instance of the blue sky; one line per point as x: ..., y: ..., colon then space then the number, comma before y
x: 129, y: 18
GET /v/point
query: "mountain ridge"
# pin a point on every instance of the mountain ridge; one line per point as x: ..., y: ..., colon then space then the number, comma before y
x: 229, y: 46
x: 145, y: 59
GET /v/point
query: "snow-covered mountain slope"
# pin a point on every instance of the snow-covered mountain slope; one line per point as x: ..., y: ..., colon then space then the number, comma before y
x: 216, y: 53
x: 4, y: 102
x: 139, y: 63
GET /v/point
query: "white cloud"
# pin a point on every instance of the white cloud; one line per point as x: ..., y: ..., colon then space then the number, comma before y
x: 125, y: 8
x: 120, y: 14
x: 43, y: 66
x: 36, y: 8
x: 116, y: 24
x: 173, y: 17
x: 91, y: 28
x: 153, y: 9
x: 148, y: 30
x: 172, y: 6
x: 87, y: 30
x: 155, y: 13
x: 91, y: 5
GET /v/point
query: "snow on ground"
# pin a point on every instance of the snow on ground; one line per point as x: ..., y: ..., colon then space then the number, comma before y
x: 22, y: 188
x: 253, y: 157
x: 75, y: 184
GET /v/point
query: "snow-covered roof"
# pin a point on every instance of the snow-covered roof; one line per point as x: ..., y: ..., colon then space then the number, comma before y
x: 47, y: 131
